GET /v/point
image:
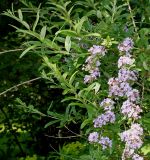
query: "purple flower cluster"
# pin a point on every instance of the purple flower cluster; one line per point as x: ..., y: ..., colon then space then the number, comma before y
x: 104, y: 141
x: 107, y: 104
x: 133, y: 95
x: 125, y: 75
x: 103, y: 119
x: 131, y: 110
x: 118, y: 88
x: 137, y: 157
x: 93, y: 137
x: 133, y: 141
x: 93, y: 63
x: 125, y: 61
x: 130, y: 107
x: 132, y: 137
x: 126, y: 45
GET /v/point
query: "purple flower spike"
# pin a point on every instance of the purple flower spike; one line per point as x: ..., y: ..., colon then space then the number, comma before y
x: 97, y: 50
x: 126, y: 45
x: 93, y: 137
x: 105, y: 142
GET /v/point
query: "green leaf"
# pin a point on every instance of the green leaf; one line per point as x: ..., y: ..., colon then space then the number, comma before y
x: 36, y: 21
x: 67, y: 44
x: 20, y: 14
x: 79, y: 25
x: 67, y: 33
x: 72, y: 78
x: 25, y: 24
x: 55, y: 115
x: 77, y: 104
x: 96, y: 87
x: 85, y: 122
x: 43, y: 33
x: 93, y: 34
x: 27, y: 50
x: 50, y: 123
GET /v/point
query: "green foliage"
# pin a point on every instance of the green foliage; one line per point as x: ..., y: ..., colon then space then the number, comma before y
x: 55, y: 37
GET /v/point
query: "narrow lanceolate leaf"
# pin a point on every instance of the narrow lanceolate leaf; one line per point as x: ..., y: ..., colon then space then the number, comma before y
x: 67, y: 44
x: 43, y: 33
x: 25, y: 24
x: 27, y: 50
x: 85, y: 122
x: 20, y: 14
x: 72, y: 78
x: 51, y: 123
x: 36, y: 21
x: 79, y: 25
x: 67, y: 33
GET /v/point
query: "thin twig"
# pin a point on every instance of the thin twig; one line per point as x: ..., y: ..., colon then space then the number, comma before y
x: 64, y: 137
x: 146, y: 89
x: 12, y: 50
x: 133, y: 21
x: 18, y: 85
x: 71, y: 131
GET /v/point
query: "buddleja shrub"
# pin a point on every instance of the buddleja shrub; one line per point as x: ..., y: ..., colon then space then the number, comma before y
x: 88, y: 51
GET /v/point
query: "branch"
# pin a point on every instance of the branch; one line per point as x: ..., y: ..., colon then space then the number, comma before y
x: 18, y: 85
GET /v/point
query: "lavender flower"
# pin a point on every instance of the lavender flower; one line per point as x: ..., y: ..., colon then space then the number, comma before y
x: 126, y: 75
x: 103, y: 119
x: 133, y: 95
x: 105, y: 142
x: 132, y: 136
x: 117, y: 88
x: 125, y: 61
x: 126, y: 45
x: 137, y: 129
x: 107, y: 104
x: 93, y: 137
x: 97, y: 50
x: 93, y: 63
x: 131, y: 110
x: 127, y: 153
x: 87, y: 78
x: 137, y: 157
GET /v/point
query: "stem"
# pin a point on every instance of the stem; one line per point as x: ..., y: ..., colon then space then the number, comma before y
x: 132, y: 18
x: 18, y: 85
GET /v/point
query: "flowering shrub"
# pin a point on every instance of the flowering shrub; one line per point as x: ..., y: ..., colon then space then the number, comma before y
x: 100, y: 77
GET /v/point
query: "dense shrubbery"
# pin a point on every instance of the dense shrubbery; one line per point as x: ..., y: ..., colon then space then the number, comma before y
x: 75, y: 48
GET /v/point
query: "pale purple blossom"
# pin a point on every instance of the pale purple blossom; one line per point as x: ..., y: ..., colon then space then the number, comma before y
x: 127, y: 153
x: 88, y: 78
x: 107, y: 104
x: 105, y: 142
x: 137, y: 157
x: 133, y: 95
x: 126, y: 45
x: 127, y: 75
x: 132, y: 137
x: 95, y: 73
x: 125, y: 61
x: 92, y: 63
x: 137, y: 129
x: 103, y: 119
x: 93, y: 137
x: 117, y: 88
x: 131, y: 110
x: 97, y: 50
